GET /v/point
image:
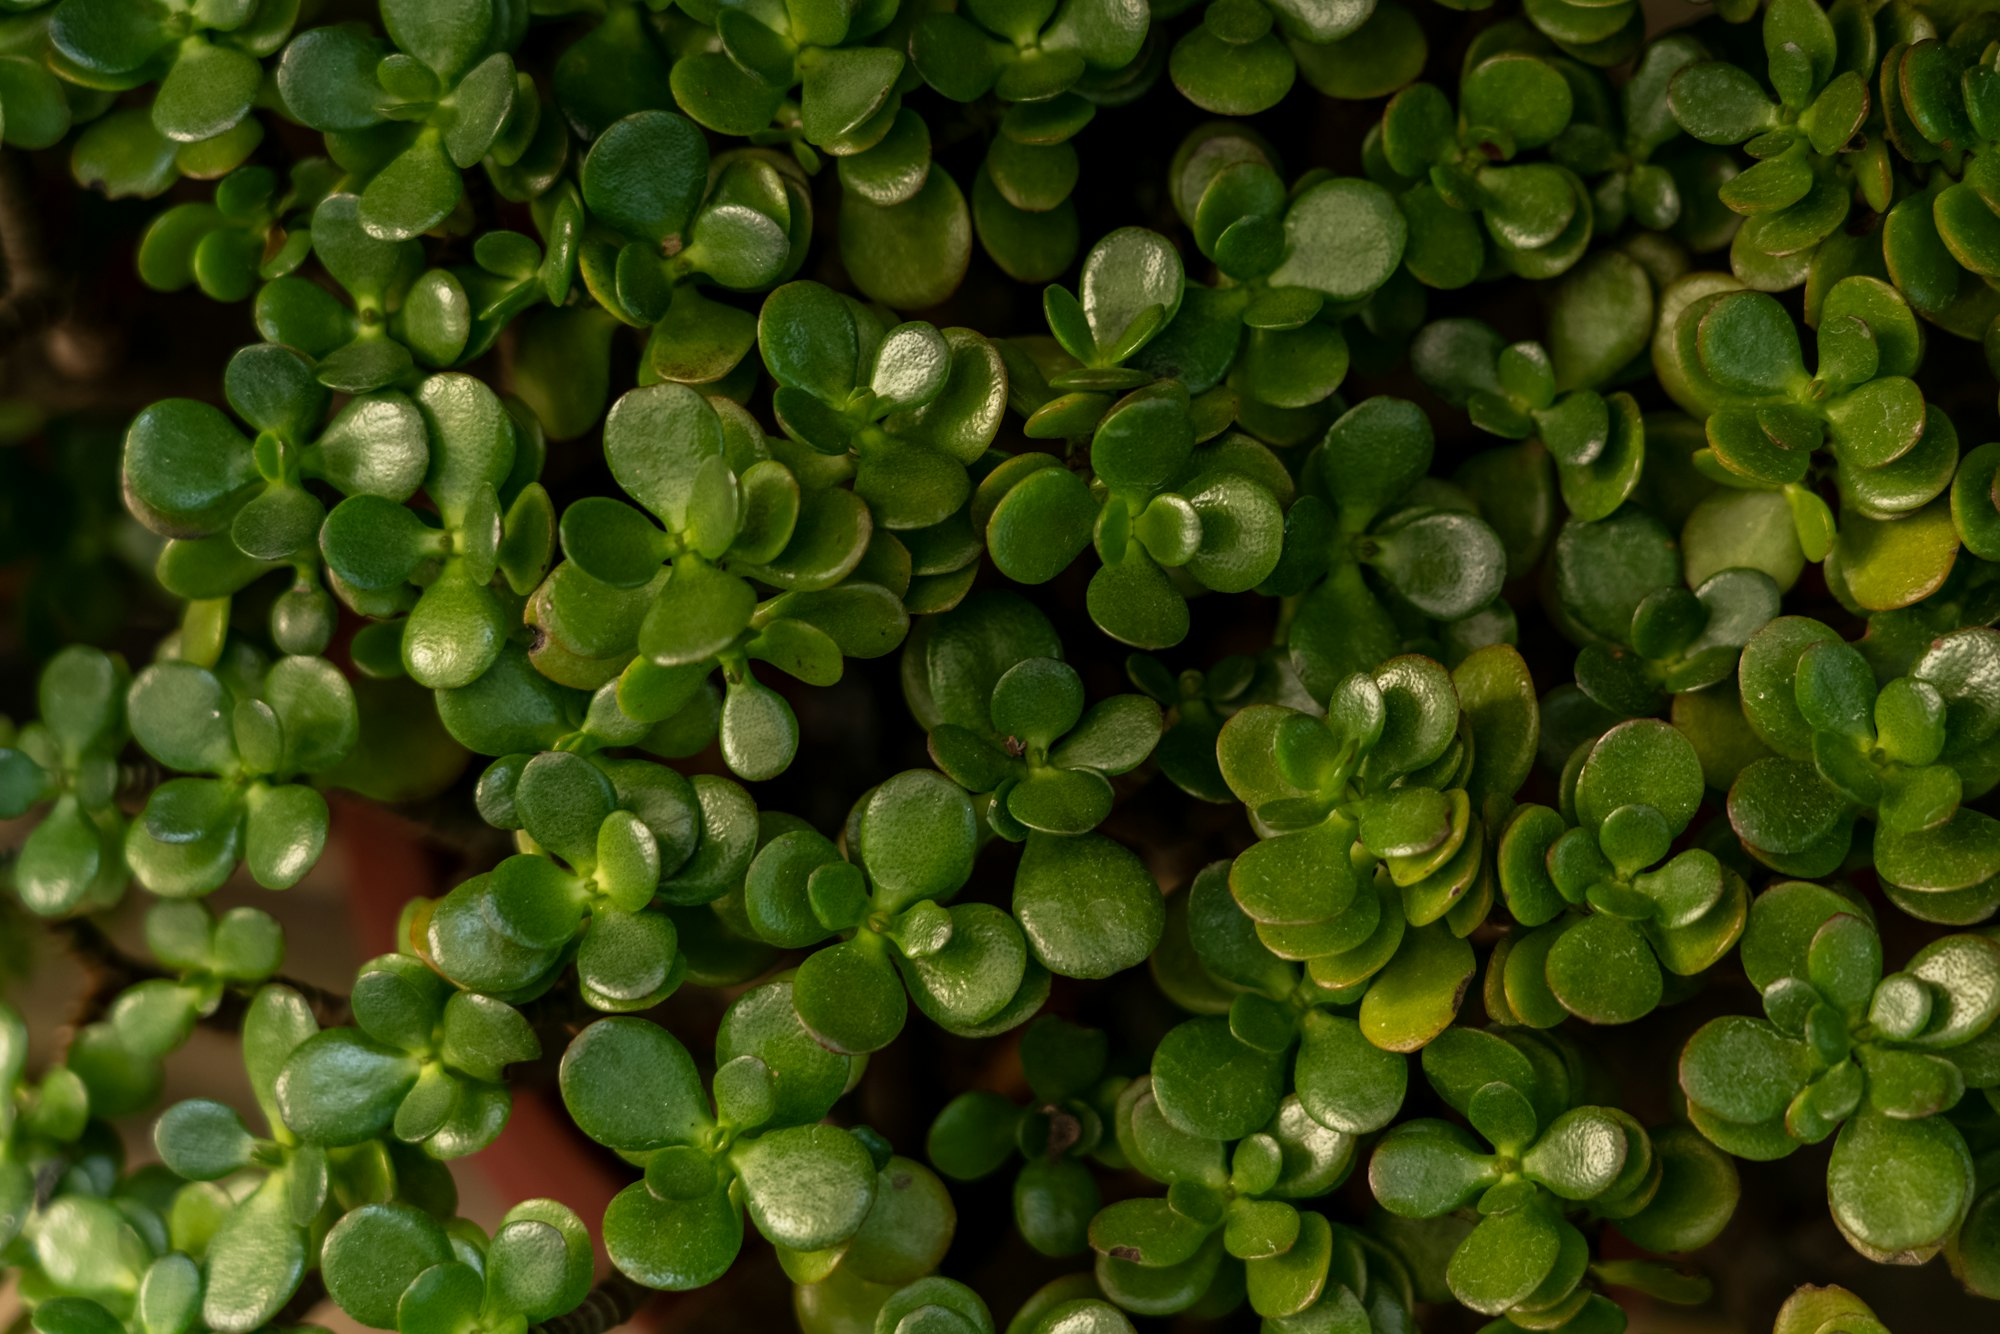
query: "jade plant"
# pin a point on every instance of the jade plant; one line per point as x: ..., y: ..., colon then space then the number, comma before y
x: 632, y: 1087
x: 1551, y: 1155
x: 1461, y: 181
x: 1904, y: 753
x: 1735, y: 356
x: 1598, y: 442
x: 1371, y: 552
x: 1374, y: 864
x: 1283, y: 573
x: 1610, y: 912
x: 1845, y: 1051
x: 68, y: 758
x: 1812, y: 161
x: 1158, y: 1255
x: 1055, y: 1193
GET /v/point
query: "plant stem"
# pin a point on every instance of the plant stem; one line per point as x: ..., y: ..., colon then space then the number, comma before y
x: 111, y: 970
x: 610, y: 1304
x: 31, y: 302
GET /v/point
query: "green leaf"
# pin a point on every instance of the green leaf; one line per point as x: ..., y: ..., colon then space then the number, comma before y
x: 673, y: 1244
x: 973, y: 1136
x: 1897, y: 1186
x: 1088, y: 906
x: 339, y: 1088
x: 905, y: 1235
x: 1447, y: 564
x: 1964, y: 976
x: 1343, y: 238
x: 1114, y: 737
x: 1580, y: 1155
x: 1344, y: 1081
x: 698, y: 614
x: 1372, y: 455
x: 326, y: 77
x: 284, y: 831
x: 849, y: 996
x: 1743, y: 1070
x: 1127, y: 272
x: 1425, y: 1169
x: 1640, y: 761
x: 1211, y: 1084
x: 936, y: 1303
x: 1696, y: 1198
x: 256, y: 1260
x: 629, y: 1084
x: 807, y: 1077
x: 373, y: 1254
x: 202, y: 1140
x: 206, y: 92
x: 909, y: 255
x: 442, y: 1298
x: 1416, y: 996
x: 1505, y: 1259
x: 645, y: 174
x: 414, y: 192
x: 974, y: 975
x: 1718, y: 103
x: 917, y: 838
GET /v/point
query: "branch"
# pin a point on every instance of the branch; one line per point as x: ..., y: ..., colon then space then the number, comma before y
x: 111, y: 970
x: 311, y: 1292
x: 610, y: 1304
x: 32, y: 301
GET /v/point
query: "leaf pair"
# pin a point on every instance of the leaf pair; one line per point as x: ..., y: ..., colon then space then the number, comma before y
x: 1811, y: 160
x: 1552, y: 1155
x: 1154, y: 503
x: 69, y: 758
x: 909, y: 406
x: 1045, y: 763
x: 659, y: 224
x: 207, y: 66
x: 1025, y: 53
x: 1243, y: 57
x: 251, y: 231
x: 1385, y: 774
x: 1160, y: 1255
x: 1460, y: 184
x: 234, y: 506
x: 208, y: 956
x: 659, y: 607
x: 424, y: 1062
x: 1346, y: 536
x: 255, y: 732
x: 393, y: 1266
x: 603, y: 839
x: 1608, y: 906
x: 1679, y: 641
x: 1845, y: 1048
x: 1021, y: 199
x: 913, y: 840
x: 258, y: 1255
x: 1738, y: 355
x: 1614, y: 142
x: 1197, y: 705
x: 1903, y: 751
x: 631, y: 1086
x: 491, y: 518
x: 435, y: 99
x: 1598, y: 443
x: 849, y: 90
x: 1056, y: 1135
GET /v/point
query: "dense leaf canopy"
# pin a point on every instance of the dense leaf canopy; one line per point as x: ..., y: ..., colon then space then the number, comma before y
x: 1257, y: 695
